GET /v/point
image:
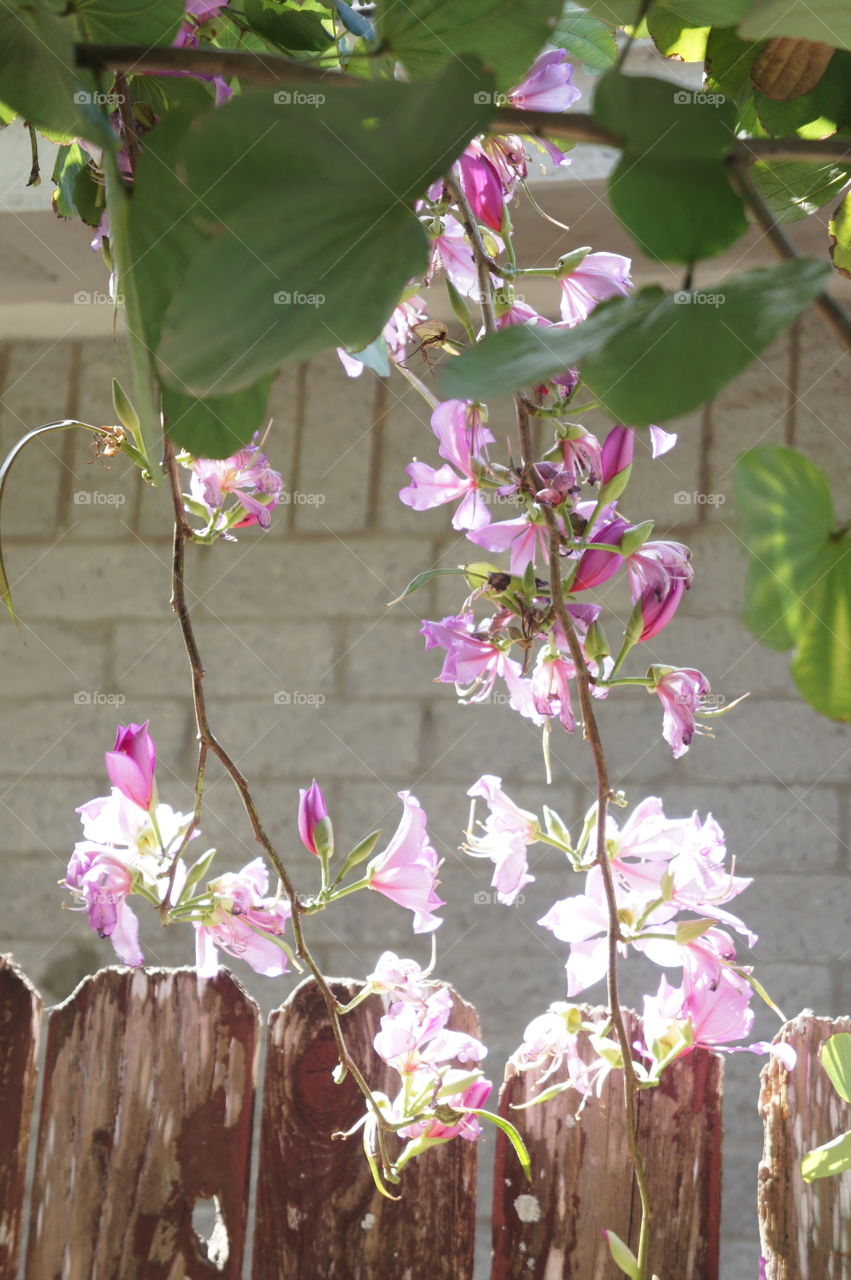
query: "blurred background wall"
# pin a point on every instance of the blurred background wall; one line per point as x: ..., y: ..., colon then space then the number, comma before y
x: 311, y: 674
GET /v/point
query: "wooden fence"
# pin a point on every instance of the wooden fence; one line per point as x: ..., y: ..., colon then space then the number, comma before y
x: 148, y: 1092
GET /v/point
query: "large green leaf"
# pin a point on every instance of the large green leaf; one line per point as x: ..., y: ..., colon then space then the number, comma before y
x: 142, y: 22
x: 650, y: 357
x: 828, y: 21
x: 304, y: 213
x: 793, y: 189
x: 839, y: 229
x: 218, y: 426
x: 585, y: 38
x: 703, y: 13
x: 670, y: 188
x: 729, y: 60
x: 505, y: 35
x: 676, y: 37
x: 836, y: 1060
x: 288, y: 29
x: 37, y: 73
x: 799, y: 580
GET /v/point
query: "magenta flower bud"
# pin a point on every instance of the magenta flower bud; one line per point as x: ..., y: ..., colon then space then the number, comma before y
x: 654, y: 610
x: 616, y: 463
x: 482, y: 187
x: 131, y: 763
x: 314, y: 825
x: 596, y: 566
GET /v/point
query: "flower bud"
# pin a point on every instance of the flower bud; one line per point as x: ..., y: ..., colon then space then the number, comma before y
x: 616, y: 463
x: 570, y: 261
x: 314, y: 825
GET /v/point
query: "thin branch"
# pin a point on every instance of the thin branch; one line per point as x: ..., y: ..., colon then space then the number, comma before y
x: 833, y: 314
x: 208, y: 743
x: 482, y: 258
x: 261, y: 68
x: 591, y: 733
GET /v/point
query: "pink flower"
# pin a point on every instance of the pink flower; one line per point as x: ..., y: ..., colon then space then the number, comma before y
x: 103, y: 882
x: 526, y: 540
x: 482, y: 186
x: 661, y: 441
x: 131, y: 763
x: 461, y: 433
x: 506, y: 153
x: 453, y: 251
x: 396, y: 333
x: 243, y: 922
x: 598, y: 277
x: 474, y: 661
x: 508, y: 832
x: 313, y: 824
x: 246, y: 476
x: 413, y: 1036
x: 551, y: 686
x: 547, y: 85
x: 659, y: 574
x: 715, y: 1013
x: 550, y: 1041
x: 402, y: 979
x: 406, y: 872
x: 596, y: 566
x: 680, y: 692
x: 466, y: 1126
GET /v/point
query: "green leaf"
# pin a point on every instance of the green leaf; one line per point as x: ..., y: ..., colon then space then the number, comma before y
x: 649, y: 357
x: 836, y: 1060
x: 76, y: 191
x: 217, y: 426
x: 426, y: 576
x: 251, y: 296
x: 287, y: 29
x: 817, y: 114
x: 675, y: 37
x: 828, y: 21
x: 670, y: 189
x: 144, y: 22
x: 622, y: 1255
x: 839, y: 229
x: 37, y: 73
x: 728, y: 71
x: 511, y: 1134
x: 585, y: 38
x: 793, y: 189
x: 708, y: 13
x: 799, y: 580
x: 171, y: 93
x: 825, y: 1161
x: 505, y: 35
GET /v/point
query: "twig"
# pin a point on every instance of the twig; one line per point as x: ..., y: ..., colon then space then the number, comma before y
x: 480, y: 254
x: 591, y: 733
x: 208, y: 743
x: 261, y: 68
x: 833, y: 314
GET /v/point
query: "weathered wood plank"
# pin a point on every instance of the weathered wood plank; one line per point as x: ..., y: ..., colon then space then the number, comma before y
x: 20, y: 1019
x: 805, y: 1228
x: 319, y: 1216
x: 147, y: 1107
x: 552, y: 1228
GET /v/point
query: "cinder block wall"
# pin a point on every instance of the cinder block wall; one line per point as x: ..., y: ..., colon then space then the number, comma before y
x: 311, y: 674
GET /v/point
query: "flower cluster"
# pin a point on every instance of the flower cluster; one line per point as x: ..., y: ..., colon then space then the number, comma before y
x: 232, y: 492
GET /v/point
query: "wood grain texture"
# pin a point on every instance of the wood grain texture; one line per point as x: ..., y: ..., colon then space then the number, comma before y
x: 20, y: 1019
x: 147, y: 1107
x: 319, y: 1216
x: 552, y: 1228
x: 805, y: 1228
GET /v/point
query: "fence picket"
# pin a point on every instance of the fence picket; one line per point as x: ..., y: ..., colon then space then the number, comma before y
x: 805, y: 1228
x: 146, y: 1108
x: 552, y: 1227
x: 20, y: 1018
x: 319, y: 1216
